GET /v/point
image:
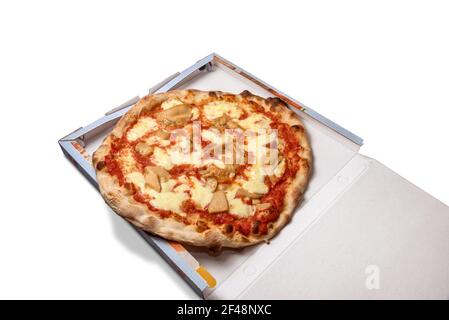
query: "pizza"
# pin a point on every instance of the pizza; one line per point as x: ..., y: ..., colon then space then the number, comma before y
x: 209, y: 169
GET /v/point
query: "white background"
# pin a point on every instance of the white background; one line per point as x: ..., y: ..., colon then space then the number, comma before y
x: 378, y: 68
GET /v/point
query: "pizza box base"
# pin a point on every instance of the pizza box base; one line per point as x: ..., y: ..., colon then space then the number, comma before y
x: 356, y: 215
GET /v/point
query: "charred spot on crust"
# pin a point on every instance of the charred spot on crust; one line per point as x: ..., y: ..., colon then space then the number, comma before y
x: 201, y: 226
x: 276, y: 108
x: 213, y: 94
x: 214, y: 249
x: 304, y: 163
x: 298, y: 128
x: 276, y: 102
x: 255, y: 228
x: 101, y: 165
x: 245, y: 94
x: 229, y: 228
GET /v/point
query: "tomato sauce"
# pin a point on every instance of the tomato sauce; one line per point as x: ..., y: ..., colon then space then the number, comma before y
x: 185, y: 169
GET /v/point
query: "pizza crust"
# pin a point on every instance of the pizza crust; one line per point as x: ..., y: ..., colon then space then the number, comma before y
x: 123, y: 203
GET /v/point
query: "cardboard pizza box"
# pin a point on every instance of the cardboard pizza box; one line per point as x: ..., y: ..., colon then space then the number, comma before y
x: 361, y: 232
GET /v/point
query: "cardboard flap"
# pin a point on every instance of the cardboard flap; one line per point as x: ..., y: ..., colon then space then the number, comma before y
x: 379, y: 237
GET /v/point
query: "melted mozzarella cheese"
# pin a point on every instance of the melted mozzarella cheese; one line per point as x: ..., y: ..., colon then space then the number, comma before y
x: 231, y: 191
x: 255, y: 121
x: 255, y: 182
x: 137, y: 179
x: 280, y: 169
x: 161, y: 158
x: 166, y: 199
x: 216, y: 109
x: 201, y: 193
x: 213, y: 136
x: 216, y: 162
x: 170, y: 103
x: 127, y: 161
x: 168, y: 185
x: 142, y: 126
x: 180, y: 152
x: 240, y: 209
x: 216, y: 139
x: 182, y: 188
x: 236, y: 206
x: 171, y: 201
x: 259, y: 147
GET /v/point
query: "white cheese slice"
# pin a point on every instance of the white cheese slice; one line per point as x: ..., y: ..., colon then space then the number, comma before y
x: 217, y: 109
x: 142, y: 126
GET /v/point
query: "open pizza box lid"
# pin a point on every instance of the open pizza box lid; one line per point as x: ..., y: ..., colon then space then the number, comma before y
x: 362, y: 231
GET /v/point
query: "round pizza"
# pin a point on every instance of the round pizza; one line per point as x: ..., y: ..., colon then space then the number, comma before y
x: 208, y: 169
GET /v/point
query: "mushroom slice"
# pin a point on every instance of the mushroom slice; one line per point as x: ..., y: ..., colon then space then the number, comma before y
x: 152, y: 180
x: 219, y: 203
x: 164, y: 135
x: 160, y: 172
x: 242, y: 193
x: 232, y: 125
x: 144, y: 149
x: 178, y: 114
x: 222, y: 175
x: 212, y: 183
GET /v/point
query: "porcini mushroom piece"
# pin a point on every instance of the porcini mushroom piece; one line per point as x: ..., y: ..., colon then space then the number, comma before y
x: 178, y: 114
x: 232, y: 125
x: 219, y: 203
x: 164, y: 135
x: 152, y: 180
x: 221, y: 187
x: 242, y: 193
x: 212, y: 183
x: 160, y: 172
x: 222, y: 175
